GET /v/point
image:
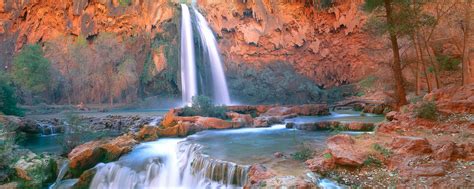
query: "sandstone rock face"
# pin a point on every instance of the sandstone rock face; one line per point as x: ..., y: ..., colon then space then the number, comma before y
x: 258, y: 173
x: 263, y: 32
x: 411, y: 145
x: 453, y: 99
x: 343, y: 150
x: 87, y: 155
x: 147, y: 133
x: 42, y: 20
x: 322, y: 163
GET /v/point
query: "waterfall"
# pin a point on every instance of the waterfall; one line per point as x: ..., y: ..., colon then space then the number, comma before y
x: 168, y: 163
x: 47, y: 129
x: 221, y: 93
x: 188, y: 67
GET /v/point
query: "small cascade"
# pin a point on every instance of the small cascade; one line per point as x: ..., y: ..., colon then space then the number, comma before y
x: 47, y: 129
x: 188, y: 66
x: 169, y: 163
x: 155, y: 121
x: 221, y: 93
x: 59, y: 183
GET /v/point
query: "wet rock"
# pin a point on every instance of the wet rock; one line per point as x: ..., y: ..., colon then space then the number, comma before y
x: 328, y: 125
x: 411, y: 145
x: 278, y: 155
x: 244, y: 120
x: 213, y: 123
x: 258, y: 173
x: 35, y: 170
x: 87, y: 155
x: 147, y: 133
x: 343, y: 150
x: 85, y: 179
x: 301, y: 110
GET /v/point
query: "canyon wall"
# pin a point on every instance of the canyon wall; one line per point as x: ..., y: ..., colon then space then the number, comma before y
x: 325, y: 45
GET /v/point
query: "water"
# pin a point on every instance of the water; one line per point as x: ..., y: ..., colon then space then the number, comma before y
x: 59, y: 183
x: 188, y: 66
x: 47, y: 129
x: 221, y: 93
x: 341, y: 116
x: 166, y: 164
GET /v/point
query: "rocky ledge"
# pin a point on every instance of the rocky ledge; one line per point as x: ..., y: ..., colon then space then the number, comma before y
x: 408, y: 150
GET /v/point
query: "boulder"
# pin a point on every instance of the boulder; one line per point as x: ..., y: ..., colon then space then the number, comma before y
x: 244, y: 120
x: 85, y: 179
x: 147, y: 133
x: 169, y: 119
x: 322, y: 163
x: 258, y: 173
x: 411, y: 145
x: 444, y: 151
x: 301, y: 110
x: 87, y: 155
x: 342, y: 149
x: 213, y: 123
x: 35, y: 170
x: 453, y: 99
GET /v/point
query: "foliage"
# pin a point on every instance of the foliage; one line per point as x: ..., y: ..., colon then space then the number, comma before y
x: 124, y: 2
x: 338, y: 129
x: 384, y: 151
x: 427, y: 110
x: 31, y: 69
x: 273, y: 83
x: 8, y: 99
x: 448, y: 63
x: 203, y: 106
x: 372, y: 161
x: 303, y: 154
x: 327, y: 156
x: 368, y: 82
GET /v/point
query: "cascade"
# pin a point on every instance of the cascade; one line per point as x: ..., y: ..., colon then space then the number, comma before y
x: 221, y: 93
x: 188, y: 66
x: 169, y: 163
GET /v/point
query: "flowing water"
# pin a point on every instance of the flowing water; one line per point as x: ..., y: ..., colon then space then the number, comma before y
x: 188, y: 66
x: 221, y: 93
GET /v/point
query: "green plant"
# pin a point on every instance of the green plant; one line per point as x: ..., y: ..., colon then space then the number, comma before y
x: 203, y: 106
x: 124, y: 2
x: 327, y: 156
x: 427, y: 110
x: 448, y: 63
x: 303, y: 154
x: 372, y: 161
x: 8, y: 99
x: 338, y: 129
x: 368, y: 82
x: 32, y: 70
x: 384, y: 151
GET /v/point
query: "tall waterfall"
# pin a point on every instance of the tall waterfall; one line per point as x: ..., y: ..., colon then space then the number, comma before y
x: 221, y: 93
x: 188, y: 66
x: 168, y: 163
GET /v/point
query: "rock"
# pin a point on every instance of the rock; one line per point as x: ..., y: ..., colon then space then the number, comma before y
x: 244, y: 120
x: 85, y: 179
x: 213, y: 123
x: 169, y: 119
x: 390, y: 116
x: 290, y: 125
x: 147, y: 133
x: 328, y: 125
x: 10, y: 185
x: 258, y: 173
x: 342, y: 149
x: 322, y: 163
x: 35, y: 170
x: 411, y: 145
x: 278, y: 155
x: 301, y: 110
x: 453, y: 99
x: 87, y: 155
x: 444, y: 151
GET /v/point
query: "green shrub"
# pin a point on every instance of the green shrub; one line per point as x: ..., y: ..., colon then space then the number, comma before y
x: 203, y: 106
x: 303, y: 154
x: 327, y: 156
x: 372, y: 161
x: 8, y: 99
x: 31, y: 70
x: 124, y: 2
x: 448, y: 63
x: 384, y: 151
x: 427, y: 110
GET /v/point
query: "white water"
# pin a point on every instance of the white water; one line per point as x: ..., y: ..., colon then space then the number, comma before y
x: 165, y: 164
x: 188, y: 66
x: 47, y: 129
x: 221, y: 93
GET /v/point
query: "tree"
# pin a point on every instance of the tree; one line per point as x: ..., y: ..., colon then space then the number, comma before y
x: 31, y: 70
x: 8, y: 99
x: 394, y: 27
x: 467, y: 67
